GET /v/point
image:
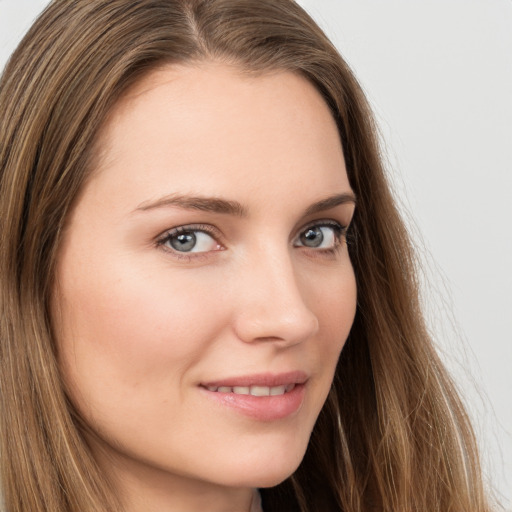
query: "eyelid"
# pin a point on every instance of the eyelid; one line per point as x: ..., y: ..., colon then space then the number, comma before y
x: 206, y: 228
x: 335, y: 224
x: 210, y: 230
x: 339, y: 228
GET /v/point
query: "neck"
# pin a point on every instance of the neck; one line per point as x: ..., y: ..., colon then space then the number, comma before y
x: 148, y: 497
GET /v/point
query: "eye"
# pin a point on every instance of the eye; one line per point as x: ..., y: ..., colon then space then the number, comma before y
x: 321, y: 236
x: 188, y: 239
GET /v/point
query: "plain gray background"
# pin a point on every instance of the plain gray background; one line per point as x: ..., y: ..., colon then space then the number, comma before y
x: 439, y: 76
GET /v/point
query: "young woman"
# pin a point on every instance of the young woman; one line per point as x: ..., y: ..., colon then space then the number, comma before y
x: 206, y: 288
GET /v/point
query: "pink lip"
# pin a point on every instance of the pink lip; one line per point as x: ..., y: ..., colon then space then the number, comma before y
x: 262, y: 408
x: 260, y: 379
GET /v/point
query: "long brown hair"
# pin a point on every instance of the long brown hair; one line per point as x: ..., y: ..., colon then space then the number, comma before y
x: 393, y: 434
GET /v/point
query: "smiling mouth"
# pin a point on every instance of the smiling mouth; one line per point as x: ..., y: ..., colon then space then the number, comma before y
x: 253, y: 390
x: 262, y: 397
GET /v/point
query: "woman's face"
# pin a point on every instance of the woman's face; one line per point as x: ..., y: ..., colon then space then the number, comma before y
x: 204, y: 288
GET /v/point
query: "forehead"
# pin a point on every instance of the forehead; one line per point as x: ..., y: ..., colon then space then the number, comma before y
x: 205, y: 125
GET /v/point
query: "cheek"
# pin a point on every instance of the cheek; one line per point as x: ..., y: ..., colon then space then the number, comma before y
x: 132, y: 342
x: 123, y: 330
x: 339, y: 306
x: 334, y: 300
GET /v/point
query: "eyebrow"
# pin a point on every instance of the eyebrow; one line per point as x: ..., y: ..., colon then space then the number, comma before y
x: 228, y: 207
x: 331, y: 202
x: 205, y: 204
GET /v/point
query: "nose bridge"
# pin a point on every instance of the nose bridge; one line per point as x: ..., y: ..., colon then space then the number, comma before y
x: 272, y: 305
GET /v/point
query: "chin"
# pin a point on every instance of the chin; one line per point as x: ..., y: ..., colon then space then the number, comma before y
x: 267, y: 471
x: 273, y: 479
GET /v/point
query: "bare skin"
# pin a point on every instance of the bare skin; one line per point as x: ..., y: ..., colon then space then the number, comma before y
x: 207, y: 253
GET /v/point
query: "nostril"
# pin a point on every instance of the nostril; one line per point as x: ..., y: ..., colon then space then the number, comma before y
x: 285, y: 326
x: 271, y: 306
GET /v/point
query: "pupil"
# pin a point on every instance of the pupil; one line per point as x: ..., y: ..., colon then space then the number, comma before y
x: 184, y: 242
x: 313, y: 237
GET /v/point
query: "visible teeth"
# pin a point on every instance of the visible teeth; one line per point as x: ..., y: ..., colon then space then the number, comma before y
x: 241, y: 390
x: 278, y: 390
x: 253, y: 390
x: 260, y: 391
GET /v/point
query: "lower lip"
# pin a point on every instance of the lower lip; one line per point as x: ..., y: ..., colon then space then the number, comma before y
x: 263, y: 408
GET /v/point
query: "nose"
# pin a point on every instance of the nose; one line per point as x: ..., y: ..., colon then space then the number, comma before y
x: 271, y: 305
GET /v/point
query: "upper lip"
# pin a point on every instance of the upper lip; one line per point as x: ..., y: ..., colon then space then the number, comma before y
x: 260, y: 379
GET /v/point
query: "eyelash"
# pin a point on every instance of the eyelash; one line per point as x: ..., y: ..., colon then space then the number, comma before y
x: 190, y: 228
x: 340, y: 234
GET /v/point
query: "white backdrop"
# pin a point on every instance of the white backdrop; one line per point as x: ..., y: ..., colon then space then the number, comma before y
x: 439, y: 75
